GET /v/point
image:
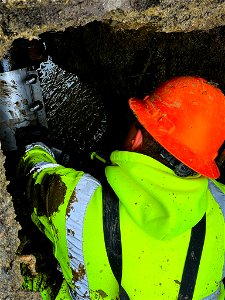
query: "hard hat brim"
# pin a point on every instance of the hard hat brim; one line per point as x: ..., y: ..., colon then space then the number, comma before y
x: 196, y: 161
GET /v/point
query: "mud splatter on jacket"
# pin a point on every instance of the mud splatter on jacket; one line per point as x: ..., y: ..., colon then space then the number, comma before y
x: 157, y: 211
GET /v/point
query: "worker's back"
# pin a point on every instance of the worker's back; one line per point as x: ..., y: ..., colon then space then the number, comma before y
x: 157, y: 213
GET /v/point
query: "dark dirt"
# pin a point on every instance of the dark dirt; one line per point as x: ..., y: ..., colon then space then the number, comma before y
x: 101, y: 294
x: 75, y: 109
x: 73, y: 198
x: 79, y: 274
x: 28, y: 19
x: 123, y: 64
x: 56, y: 190
x: 10, y: 278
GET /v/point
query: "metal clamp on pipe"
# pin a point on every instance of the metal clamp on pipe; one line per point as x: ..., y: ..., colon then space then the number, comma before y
x: 21, y: 104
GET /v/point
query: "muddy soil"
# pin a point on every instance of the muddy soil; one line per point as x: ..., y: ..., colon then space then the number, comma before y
x: 29, y: 18
x: 10, y: 278
x: 75, y: 110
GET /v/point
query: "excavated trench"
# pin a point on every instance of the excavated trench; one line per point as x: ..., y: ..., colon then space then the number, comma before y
x: 109, y: 66
x: 90, y: 73
x: 114, y: 65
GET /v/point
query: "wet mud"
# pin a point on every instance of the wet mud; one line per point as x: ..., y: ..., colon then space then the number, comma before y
x: 79, y: 274
x: 54, y: 191
x: 75, y: 109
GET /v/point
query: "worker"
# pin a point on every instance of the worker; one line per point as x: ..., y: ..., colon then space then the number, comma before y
x: 154, y: 229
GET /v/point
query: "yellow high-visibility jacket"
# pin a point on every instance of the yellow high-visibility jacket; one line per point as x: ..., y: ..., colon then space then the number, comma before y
x: 157, y: 212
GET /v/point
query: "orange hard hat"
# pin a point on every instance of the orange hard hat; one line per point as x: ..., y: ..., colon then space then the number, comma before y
x: 186, y: 115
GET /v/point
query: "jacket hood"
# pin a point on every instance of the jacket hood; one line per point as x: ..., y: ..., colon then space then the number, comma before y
x: 158, y: 201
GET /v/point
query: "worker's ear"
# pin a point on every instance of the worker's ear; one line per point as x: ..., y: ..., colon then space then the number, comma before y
x: 134, y: 139
x: 137, y: 141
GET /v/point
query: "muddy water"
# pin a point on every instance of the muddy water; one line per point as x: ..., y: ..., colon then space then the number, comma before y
x: 75, y: 110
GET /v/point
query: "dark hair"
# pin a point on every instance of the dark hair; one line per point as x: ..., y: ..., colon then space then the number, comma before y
x: 152, y: 148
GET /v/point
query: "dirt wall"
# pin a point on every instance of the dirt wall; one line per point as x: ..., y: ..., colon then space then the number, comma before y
x: 29, y: 18
x: 10, y: 278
